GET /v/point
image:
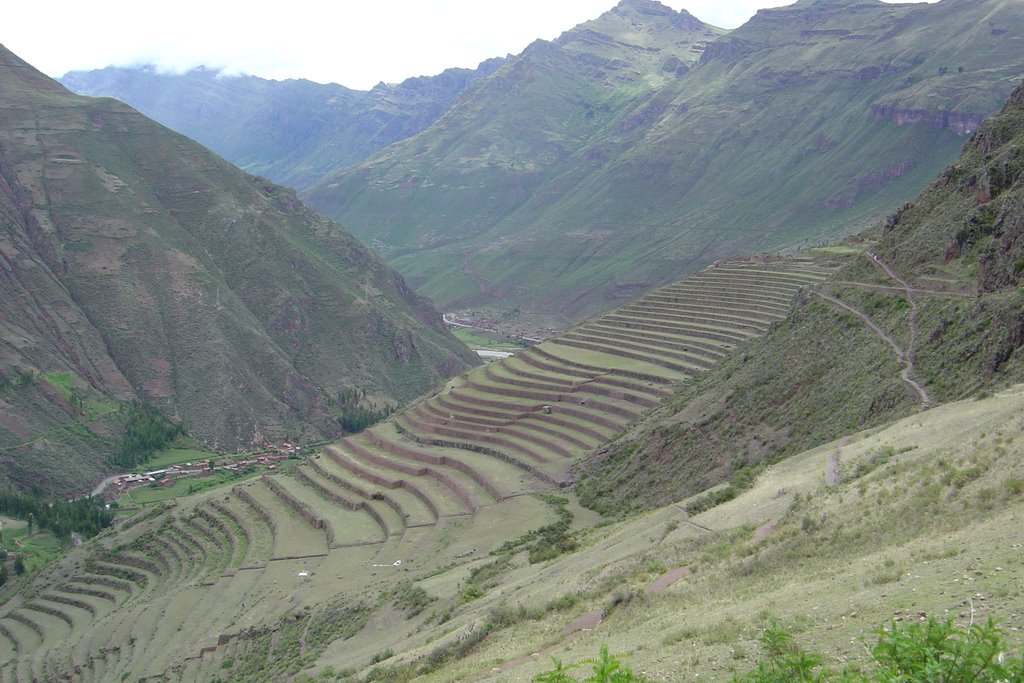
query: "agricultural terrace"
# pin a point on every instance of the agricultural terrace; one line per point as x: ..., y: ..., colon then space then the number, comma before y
x: 358, y: 540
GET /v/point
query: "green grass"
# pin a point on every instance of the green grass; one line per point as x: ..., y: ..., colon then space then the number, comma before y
x: 474, y: 339
x: 37, y: 550
x: 176, y: 456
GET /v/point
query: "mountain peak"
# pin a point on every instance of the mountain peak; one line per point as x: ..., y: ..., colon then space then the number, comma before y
x: 644, y: 7
x: 652, y: 8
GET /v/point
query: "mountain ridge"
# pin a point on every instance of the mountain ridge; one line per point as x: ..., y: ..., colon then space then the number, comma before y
x: 293, y: 131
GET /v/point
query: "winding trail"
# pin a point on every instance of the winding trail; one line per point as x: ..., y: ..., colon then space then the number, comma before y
x: 920, y: 292
x: 911, y: 323
x: 907, y: 361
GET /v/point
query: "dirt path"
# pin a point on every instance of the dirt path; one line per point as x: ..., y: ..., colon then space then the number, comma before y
x: 911, y: 323
x: 915, y: 291
x: 588, y: 621
x: 762, y: 531
x: 101, y: 487
x: 905, y: 360
x: 832, y: 463
x: 666, y: 580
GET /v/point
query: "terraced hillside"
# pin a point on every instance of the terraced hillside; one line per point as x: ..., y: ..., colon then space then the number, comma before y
x: 254, y: 582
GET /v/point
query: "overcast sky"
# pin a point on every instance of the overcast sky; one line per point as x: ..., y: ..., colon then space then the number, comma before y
x: 357, y: 43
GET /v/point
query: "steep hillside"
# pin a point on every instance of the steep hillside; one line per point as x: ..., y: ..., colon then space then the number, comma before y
x: 137, y: 266
x: 940, y: 278
x: 294, y: 132
x: 602, y: 164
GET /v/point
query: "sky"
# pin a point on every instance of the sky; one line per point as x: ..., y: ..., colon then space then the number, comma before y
x: 356, y: 43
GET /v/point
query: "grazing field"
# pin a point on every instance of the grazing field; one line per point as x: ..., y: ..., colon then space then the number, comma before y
x: 409, y: 537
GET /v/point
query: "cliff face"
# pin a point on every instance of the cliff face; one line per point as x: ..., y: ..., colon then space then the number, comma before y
x: 961, y: 123
x: 136, y: 265
x: 988, y: 180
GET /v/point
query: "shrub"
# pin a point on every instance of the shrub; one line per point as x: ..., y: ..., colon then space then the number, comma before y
x: 410, y: 598
x: 563, y: 603
x: 915, y: 653
x: 936, y: 651
x: 742, y: 480
x: 606, y: 669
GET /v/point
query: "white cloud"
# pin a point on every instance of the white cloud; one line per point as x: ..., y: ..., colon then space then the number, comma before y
x: 353, y: 42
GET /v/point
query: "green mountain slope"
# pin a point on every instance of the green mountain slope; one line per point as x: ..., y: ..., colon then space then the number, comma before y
x: 294, y: 132
x: 138, y: 266
x: 555, y: 187
x: 442, y: 546
x: 824, y: 372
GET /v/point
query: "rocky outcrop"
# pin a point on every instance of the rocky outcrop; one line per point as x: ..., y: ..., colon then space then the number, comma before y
x: 962, y: 123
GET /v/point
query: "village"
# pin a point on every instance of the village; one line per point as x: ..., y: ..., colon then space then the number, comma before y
x: 165, y: 477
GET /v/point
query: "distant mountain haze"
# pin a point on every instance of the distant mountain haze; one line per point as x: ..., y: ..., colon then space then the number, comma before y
x: 293, y: 132
x: 137, y: 266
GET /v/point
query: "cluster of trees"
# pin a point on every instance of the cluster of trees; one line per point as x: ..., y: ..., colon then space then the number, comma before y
x: 146, y: 431
x: 354, y: 415
x: 85, y: 516
x: 21, y: 380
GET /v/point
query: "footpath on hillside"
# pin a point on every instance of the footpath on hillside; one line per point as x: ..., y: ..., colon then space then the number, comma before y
x: 905, y: 357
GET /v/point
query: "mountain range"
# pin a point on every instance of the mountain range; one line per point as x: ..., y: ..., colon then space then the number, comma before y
x: 629, y: 151
x: 293, y: 132
x: 806, y: 123
x: 823, y: 443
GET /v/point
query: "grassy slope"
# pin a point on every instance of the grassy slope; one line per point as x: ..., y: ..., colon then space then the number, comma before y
x: 145, y: 267
x: 781, y: 135
x: 923, y: 522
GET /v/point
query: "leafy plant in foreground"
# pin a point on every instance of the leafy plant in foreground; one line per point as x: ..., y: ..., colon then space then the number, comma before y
x: 606, y: 669
x: 932, y: 652
x: 937, y: 651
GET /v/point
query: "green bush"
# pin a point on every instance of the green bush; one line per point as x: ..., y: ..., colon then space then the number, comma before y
x: 606, y: 669
x: 916, y: 653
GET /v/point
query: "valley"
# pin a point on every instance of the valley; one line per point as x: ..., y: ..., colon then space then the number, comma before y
x: 712, y: 365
